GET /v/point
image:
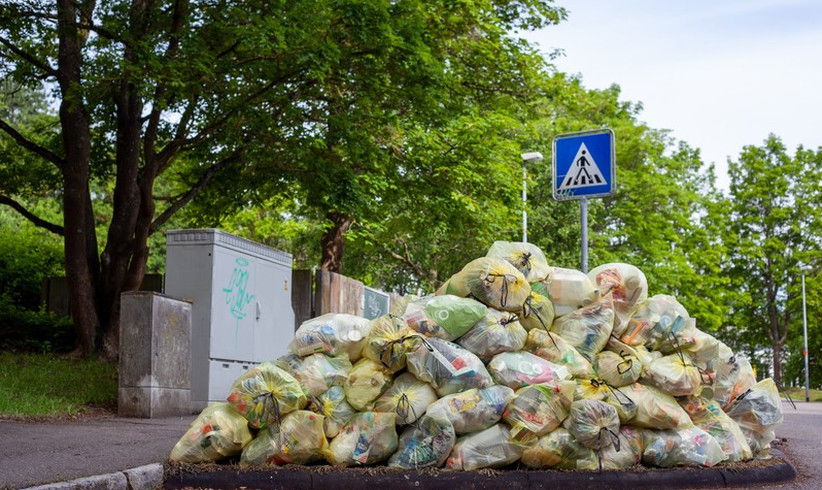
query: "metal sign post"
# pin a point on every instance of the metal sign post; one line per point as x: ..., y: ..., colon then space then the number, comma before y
x: 584, y: 166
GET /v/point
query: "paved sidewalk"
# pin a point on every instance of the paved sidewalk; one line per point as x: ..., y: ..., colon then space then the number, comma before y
x: 35, y: 453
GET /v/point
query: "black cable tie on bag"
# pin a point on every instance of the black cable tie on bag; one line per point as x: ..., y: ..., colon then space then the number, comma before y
x: 630, y: 362
x: 391, y: 347
x: 705, y: 374
x: 269, y: 404
x: 404, y: 408
x: 491, y: 278
x: 599, y: 444
x: 525, y: 262
x: 528, y: 310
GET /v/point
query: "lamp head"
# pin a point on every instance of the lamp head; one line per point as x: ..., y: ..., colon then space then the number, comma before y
x: 533, y: 156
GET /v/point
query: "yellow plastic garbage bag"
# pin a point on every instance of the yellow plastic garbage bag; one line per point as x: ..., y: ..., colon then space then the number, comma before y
x: 617, y: 369
x: 518, y: 369
x: 655, y: 409
x: 593, y: 423
x: 554, y: 348
x: 526, y: 257
x: 473, y: 410
x: 265, y: 393
x: 408, y: 397
x: 299, y: 439
x: 709, y: 416
x: 446, y: 316
x: 733, y: 376
x: 448, y: 367
x: 568, y: 289
x: 538, y: 409
x: 494, y: 282
x: 368, y: 438
x: 674, y: 374
x: 334, y: 408
x: 367, y: 381
x: 218, y: 432
x: 496, y: 332
x: 537, y: 312
x: 628, y: 287
x: 333, y: 334
x: 588, y: 328
x: 316, y: 372
x: 424, y: 444
x: 489, y: 448
x: 559, y: 450
x: 680, y: 447
x: 625, y: 452
x: 655, y: 321
x: 597, y: 389
x: 702, y: 348
x: 758, y: 413
x: 388, y: 341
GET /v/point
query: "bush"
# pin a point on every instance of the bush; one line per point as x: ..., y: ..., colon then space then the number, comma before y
x: 33, y: 331
x: 27, y: 255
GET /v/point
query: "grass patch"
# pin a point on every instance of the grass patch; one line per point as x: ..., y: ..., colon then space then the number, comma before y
x: 798, y: 394
x: 41, y: 385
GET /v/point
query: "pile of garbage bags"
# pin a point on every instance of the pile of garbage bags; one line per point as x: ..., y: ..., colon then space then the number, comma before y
x: 510, y: 361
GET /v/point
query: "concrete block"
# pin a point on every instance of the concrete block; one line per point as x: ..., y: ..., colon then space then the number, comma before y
x: 155, y: 356
x: 112, y: 481
x: 146, y: 477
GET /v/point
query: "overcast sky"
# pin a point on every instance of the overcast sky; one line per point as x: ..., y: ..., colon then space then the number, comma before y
x: 719, y: 74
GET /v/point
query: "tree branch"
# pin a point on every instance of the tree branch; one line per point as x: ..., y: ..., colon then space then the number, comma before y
x: 28, y: 57
x: 36, y: 221
x: 190, y: 194
x: 31, y: 146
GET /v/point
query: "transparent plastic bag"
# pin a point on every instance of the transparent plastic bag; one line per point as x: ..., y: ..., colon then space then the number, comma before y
x: 387, y: 342
x: 218, y: 432
x: 299, y: 439
x: 408, y: 397
x: 318, y: 372
x: 424, y: 444
x: 538, y: 409
x: 617, y: 369
x: 593, y: 423
x: 366, y: 382
x: 265, y: 393
x: 368, y: 438
x: 733, y: 376
x: 758, y: 413
x: 447, y: 316
x: 625, y: 453
x: 448, y: 367
x: 554, y: 348
x: 526, y: 257
x: 628, y: 286
x: 496, y: 332
x: 588, y: 328
x: 597, y: 389
x: 560, y: 450
x: 334, y: 407
x: 494, y: 282
x: 333, y: 334
x: 537, y: 312
x: 680, y: 447
x: 489, y: 448
x: 655, y: 409
x: 518, y: 369
x: 673, y: 374
x: 473, y: 410
x: 655, y: 321
x: 568, y: 289
x: 709, y: 416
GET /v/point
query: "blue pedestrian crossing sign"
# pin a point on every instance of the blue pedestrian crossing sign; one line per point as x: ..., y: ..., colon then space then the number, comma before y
x: 584, y: 165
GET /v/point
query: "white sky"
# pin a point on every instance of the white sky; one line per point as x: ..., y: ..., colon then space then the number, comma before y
x: 719, y: 74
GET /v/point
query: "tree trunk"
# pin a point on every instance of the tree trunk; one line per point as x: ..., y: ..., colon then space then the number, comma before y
x: 333, y: 241
x: 777, y: 364
x: 76, y: 137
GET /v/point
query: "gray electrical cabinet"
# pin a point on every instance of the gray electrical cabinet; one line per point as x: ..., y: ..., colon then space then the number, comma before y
x: 241, y: 305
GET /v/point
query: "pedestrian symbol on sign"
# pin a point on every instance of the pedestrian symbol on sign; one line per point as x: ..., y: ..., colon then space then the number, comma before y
x: 584, y: 172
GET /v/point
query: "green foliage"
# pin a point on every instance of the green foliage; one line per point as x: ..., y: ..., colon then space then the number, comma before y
x: 38, y: 385
x: 33, y: 331
x: 27, y: 256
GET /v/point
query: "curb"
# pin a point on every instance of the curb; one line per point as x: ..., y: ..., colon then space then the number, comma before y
x: 146, y: 477
x: 296, y: 479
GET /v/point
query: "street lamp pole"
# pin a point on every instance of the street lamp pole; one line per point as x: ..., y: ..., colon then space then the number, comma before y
x: 805, y: 268
x: 533, y: 156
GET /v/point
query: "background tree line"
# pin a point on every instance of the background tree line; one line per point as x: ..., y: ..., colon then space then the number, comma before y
x: 377, y: 139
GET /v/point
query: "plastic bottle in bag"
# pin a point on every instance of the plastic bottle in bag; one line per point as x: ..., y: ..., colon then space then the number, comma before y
x: 588, y: 328
x: 558, y: 449
x: 299, y: 439
x: 680, y: 447
x: 758, y: 413
x: 334, y: 407
x: 628, y: 286
x: 368, y: 438
x: 538, y: 409
x: 554, y: 348
x: 265, y: 393
x: 332, y: 334
x: 518, y: 369
x: 424, y: 444
x: 709, y: 416
x: 593, y: 423
x: 448, y: 367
